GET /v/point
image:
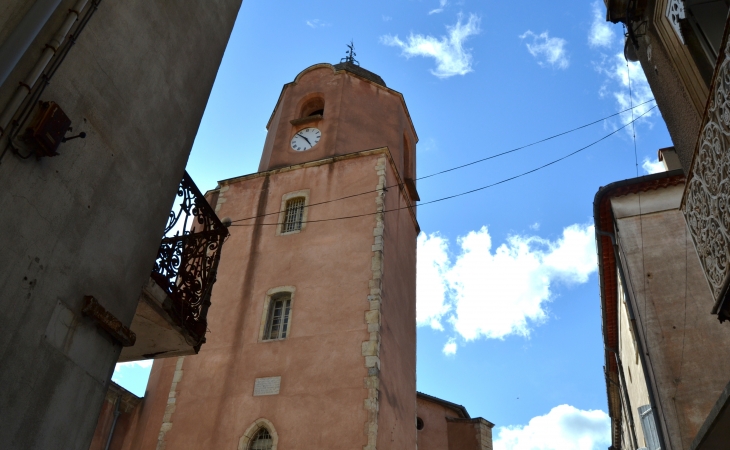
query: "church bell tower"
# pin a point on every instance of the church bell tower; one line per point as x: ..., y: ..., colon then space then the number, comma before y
x: 312, y: 323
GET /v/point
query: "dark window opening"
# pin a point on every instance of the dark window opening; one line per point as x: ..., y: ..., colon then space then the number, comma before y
x: 419, y: 424
x: 313, y: 107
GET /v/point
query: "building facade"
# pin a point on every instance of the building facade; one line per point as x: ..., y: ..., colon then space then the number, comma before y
x: 683, y: 49
x: 126, y: 84
x: 662, y: 377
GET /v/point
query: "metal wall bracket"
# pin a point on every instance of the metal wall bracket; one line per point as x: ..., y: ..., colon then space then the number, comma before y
x: 108, y: 322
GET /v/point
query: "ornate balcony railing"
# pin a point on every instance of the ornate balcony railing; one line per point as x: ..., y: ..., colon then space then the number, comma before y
x: 706, y: 202
x: 188, y: 258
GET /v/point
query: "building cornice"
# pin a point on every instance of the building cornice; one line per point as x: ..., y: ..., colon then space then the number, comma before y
x: 459, y: 409
x: 320, y: 162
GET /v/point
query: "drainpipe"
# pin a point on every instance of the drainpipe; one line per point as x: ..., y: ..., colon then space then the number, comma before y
x: 35, y: 73
x: 23, y: 35
x: 114, y: 422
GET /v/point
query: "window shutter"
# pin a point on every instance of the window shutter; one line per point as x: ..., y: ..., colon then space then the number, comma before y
x: 648, y: 424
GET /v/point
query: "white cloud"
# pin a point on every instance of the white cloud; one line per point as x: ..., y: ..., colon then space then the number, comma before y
x: 450, y: 347
x: 601, y: 33
x: 316, y: 23
x: 548, y: 50
x: 629, y: 86
x: 387, y: 18
x: 655, y: 166
x: 535, y: 226
x: 442, y: 5
x: 494, y: 294
x: 145, y: 363
x: 448, y: 51
x: 620, y: 78
x: 433, y: 262
x: 563, y: 428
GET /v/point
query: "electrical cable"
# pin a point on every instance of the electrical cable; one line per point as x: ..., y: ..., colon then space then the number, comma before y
x: 644, y: 274
x: 536, y: 142
x: 469, y: 191
x: 461, y: 166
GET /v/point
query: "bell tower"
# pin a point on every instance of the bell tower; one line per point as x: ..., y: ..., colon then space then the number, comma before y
x: 312, y: 340
x: 351, y: 110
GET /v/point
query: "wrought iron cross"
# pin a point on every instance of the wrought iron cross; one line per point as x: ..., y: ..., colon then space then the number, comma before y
x: 350, y: 58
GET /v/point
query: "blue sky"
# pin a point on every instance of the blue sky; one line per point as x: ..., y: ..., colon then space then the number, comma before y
x: 508, y: 302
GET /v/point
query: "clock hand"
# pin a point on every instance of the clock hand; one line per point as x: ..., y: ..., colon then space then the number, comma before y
x: 303, y: 137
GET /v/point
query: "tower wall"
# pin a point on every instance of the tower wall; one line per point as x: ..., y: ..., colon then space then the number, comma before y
x: 359, y: 114
x: 397, y: 429
x: 347, y: 365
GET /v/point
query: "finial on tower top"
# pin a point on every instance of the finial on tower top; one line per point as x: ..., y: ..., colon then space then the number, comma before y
x: 350, y: 58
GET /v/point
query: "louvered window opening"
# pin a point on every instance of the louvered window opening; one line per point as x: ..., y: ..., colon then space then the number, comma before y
x: 262, y: 441
x: 278, y: 323
x: 293, y: 215
x: 648, y: 424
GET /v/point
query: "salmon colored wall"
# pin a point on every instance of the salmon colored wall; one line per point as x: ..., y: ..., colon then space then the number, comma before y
x: 434, y: 435
x: 139, y: 427
x: 358, y: 115
x: 463, y: 435
x: 398, y: 333
x: 322, y: 369
x: 101, y: 434
x: 152, y: 409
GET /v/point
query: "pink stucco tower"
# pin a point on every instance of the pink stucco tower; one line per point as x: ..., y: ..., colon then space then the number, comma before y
x: 312, y: 340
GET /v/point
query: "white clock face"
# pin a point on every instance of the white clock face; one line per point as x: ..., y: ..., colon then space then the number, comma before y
x: 305, y: 139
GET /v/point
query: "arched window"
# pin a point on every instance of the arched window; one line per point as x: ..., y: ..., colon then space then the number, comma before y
x: 262, y: 440
x: 313, y: 107
x: 260, y: 435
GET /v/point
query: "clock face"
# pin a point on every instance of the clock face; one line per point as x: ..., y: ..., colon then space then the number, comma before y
x: 305, y: 139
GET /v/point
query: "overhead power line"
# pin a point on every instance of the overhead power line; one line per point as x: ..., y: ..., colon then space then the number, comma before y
x: 463, y: 165
x: 536, y: 142
x: 449, y: 197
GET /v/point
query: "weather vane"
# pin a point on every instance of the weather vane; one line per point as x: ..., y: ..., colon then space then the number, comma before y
x: 350, y: 58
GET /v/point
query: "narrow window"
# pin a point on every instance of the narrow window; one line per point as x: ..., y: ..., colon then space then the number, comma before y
x: 262, y: 440
x: 651, y: 437
x: 293, y: 215
x: 277, y: 323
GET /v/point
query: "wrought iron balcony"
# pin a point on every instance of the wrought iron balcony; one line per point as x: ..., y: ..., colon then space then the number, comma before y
x: 171, y: 316
x: 706, y: 202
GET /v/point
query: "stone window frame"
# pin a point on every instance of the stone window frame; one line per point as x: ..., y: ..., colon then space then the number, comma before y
x: 253, y: 429
x: 267, y: 305
x: 282, y: 212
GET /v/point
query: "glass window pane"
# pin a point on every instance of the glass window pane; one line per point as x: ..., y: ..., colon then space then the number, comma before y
x: 277, y: 322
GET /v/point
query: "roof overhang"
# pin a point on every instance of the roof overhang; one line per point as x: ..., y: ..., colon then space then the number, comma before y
x: 608, y: 280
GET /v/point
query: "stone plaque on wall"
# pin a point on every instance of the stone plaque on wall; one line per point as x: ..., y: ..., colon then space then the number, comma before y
x: 266, y: 386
